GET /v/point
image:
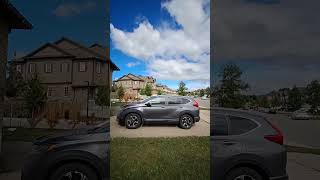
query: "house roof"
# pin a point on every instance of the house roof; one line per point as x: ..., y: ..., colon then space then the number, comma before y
x: 129, y: 76
x: 13, y: 16
x: 68, y: 48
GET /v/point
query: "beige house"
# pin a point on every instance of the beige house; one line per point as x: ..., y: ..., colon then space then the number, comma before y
x: 70, y: 71
x: 134, y: 83
x: 10, y: 18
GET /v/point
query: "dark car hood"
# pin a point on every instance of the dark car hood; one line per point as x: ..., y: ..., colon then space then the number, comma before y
x: 72, y: 135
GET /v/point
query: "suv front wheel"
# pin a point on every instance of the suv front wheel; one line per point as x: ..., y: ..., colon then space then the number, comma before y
x: 133, y: 121
x: 243, y: 173
x: 186, y: 121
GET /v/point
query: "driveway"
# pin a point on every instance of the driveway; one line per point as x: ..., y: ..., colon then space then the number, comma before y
x: 303, y: 166
x: 201, y: 128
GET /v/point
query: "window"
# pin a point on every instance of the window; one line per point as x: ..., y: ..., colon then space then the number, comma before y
x: 158, y: 101
x: 135, y: 82
x: 48, y: 68
x: 98, y: 67
x: 239, y: 125
x: 19, y: 68
x: 32, y: 68
x: 49, y: 91
x: 82, y: 66
x: 219, y: 125
x: 175, y: 100
x: 66, y: 91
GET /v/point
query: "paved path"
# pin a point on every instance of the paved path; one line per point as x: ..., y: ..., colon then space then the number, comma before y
x: 201, y: 128
x: 303, y: 166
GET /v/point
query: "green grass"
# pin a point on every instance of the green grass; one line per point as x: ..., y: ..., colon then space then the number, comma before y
x: 160, y: 158
x: 26, y: 134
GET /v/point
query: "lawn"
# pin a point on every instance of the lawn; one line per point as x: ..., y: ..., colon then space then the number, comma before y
x: 26, y: 134
x: 160, y: 158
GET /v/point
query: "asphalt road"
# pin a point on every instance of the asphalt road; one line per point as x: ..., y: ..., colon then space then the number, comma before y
x: 201, y: 128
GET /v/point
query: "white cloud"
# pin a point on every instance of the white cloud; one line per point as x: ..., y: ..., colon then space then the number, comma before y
x: 71, y: 9
x: 171, y: 53
x: 132, y: 64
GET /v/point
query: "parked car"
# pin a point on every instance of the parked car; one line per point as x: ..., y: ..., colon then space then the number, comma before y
x: 77, y: 155
x: 180, y: 110
x: 246, y: 146
x: 301, y: 114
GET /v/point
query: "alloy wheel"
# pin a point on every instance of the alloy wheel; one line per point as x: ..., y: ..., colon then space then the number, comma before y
x: 74, y: 175
x: 186, y: 121
x: 244, y: 177
x: 133, y: 120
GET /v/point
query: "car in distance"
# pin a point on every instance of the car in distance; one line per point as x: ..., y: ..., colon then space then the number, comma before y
x: 245, y: 146
x: 301, y: 114
x: 77, y: 155
x: 180, y: 110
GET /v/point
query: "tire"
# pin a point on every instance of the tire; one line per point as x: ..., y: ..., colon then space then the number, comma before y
x: 186, y: 121
x: 133, y: 121
x: 77, y: 169
x: 240, y: 173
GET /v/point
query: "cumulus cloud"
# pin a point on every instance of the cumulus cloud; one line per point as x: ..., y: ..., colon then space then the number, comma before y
x: 73, y: 8
x: 171, y: 53
x: 132, y: 64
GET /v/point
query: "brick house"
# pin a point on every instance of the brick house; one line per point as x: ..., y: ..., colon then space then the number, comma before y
x: 10, y: 18
x: 71, y: 72
x: 134, y: 83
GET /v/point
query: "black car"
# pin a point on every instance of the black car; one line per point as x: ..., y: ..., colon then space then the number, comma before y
x: 246, y: 146
x: 180, y: 110
x: 80, y: 154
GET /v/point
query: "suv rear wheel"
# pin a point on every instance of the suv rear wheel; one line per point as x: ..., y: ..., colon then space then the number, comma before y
x: 243, y: 173
x: 186, y: 121
x: 133, y: 121
x: 74, y: 171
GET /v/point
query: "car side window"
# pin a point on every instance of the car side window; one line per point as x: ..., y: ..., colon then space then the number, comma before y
x: 158, y: 101
x: 219, y: 125
x: 239, y: 125
x: 173, y: 101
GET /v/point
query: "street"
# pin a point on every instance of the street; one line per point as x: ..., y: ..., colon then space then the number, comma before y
x: 201, y: 128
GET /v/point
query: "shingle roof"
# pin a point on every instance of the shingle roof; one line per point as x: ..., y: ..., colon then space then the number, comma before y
x: 16, y: 19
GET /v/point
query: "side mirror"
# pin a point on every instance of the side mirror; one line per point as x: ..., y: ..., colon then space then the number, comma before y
x: 148, y: 104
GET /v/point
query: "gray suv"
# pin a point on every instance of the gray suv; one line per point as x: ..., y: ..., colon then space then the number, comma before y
x: 180, y: 110
x: 245, y: 146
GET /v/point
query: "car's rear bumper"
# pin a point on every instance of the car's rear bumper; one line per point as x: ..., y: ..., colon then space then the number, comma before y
x: 197, y: 119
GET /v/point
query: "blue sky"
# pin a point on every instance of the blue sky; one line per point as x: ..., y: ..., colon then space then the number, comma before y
x: 84, y: 21
x: 129, y: 18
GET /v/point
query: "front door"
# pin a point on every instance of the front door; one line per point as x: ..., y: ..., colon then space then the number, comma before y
x: 157, y: 110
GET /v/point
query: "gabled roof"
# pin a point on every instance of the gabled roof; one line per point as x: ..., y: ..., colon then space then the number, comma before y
x: 129, y: 76
x: 15, y: 19
x: 68, y: 48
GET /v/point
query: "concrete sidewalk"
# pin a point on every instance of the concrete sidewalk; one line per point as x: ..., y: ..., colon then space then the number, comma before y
x: 201, y: 128
x: 303, y: 166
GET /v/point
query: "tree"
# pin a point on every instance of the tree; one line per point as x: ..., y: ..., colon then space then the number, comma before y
x: 208, y: 92
x: 142, y: 91
x: 159, y: 92
x: 295, y: 99
x: 229, y: 92
x: 182, y: 90
x: 275, y: 100
x: 34, y: 96
x: 14, y: 82
x: 313, y: 92
x: 120, y: 92
x: 148, y: 90
x: 201, y: 92
x: 102, y: 98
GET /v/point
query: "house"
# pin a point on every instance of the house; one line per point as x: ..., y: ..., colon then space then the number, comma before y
x: 134, y: 83
x: 10, y: 18
x: 70, y: 71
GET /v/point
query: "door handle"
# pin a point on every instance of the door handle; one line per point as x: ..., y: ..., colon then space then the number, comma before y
x: 229, y: 143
